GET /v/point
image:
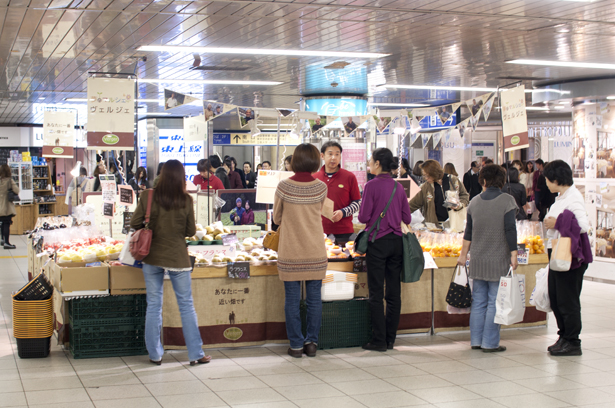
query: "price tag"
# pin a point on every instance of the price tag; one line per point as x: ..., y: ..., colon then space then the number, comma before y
x: 429, y: 261
x: 230, y: 239
x: 126, y: 223
x: 523, y: 254
x: 108, y: 210
x: 126, y: 195
x: 239, y: 270
x: 359, y: 264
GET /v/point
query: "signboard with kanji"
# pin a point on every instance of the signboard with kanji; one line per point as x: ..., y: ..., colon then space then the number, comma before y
x: 111, y: 114
x: 514, y: 119
x: 59, y: 134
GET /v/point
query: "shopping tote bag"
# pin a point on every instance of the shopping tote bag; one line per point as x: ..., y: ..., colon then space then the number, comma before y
x: 510, y: 301
x: 561, y: 256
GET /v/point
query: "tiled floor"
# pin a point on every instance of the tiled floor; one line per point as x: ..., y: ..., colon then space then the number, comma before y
x: 422, y: 371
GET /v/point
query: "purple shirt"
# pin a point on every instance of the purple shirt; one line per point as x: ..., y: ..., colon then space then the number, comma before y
x: 376, y: 195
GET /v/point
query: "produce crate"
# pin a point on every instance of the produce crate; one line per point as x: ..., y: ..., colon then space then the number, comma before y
x: 345, y: 323
x: 108, y: 307
x: 33, y: 348
x: 110, y: 338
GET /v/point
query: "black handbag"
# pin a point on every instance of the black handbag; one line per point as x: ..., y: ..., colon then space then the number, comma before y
x: 459, y: 296
x: 360, y: 244
x: 10, y: 195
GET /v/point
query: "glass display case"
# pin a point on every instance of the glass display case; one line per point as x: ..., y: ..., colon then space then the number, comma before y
x: 22, y: 174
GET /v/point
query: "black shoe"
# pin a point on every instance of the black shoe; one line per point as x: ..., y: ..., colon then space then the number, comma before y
x: 203, y: 360
x: 476, y: 347
x: 9, y: 246
x: 390, y: 346
x: 494, y: 350
x: 556, y: 345
x: 373, y: 347
x: 310, y: 349
x: 567, y: 349
x: 295, y: 353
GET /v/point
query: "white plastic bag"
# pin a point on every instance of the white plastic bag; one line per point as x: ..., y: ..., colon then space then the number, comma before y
x: 125, y: 257
x: 417, y: 218
x: 460, y: 279
x: 540, y: 294
x: 510, y: 301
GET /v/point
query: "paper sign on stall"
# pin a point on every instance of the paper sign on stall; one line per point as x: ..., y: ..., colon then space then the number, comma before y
x: 514, y: 119
x: 429, y: 261
x: 267, y: 183
x: 107, y: 184
x: 127, y: 195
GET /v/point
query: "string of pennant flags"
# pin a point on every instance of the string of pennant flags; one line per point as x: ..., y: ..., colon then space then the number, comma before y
x: 402, y: 122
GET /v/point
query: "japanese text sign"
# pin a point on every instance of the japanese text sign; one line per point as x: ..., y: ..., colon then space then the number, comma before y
x: 58, y: 134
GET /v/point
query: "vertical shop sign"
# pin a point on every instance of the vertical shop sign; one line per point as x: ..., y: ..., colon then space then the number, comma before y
x: 59, y: 134
x: 514, y: 119
x: 111, y: 114
x: 354, y: 159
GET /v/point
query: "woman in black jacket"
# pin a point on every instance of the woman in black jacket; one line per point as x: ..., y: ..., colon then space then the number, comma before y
x: 517, y: 190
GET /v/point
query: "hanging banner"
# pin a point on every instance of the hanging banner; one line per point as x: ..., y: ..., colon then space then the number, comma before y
x: 514, y: 119
x: 111, y: 114
x: 174, y: 99
x: 436, y: 137
x: 245, y: 116
x: 59, y: 134
x: 212, y: 109
x: 354, y: 159
x: 416, y: 141
x: 382, y: 123
x: 487, y: 108
x: 445, y: 112
x: 195, y: 129
x: 425, y: 137
x: 318, y: 123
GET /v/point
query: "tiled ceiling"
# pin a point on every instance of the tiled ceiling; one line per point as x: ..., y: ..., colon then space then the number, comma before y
x: 48, y: 48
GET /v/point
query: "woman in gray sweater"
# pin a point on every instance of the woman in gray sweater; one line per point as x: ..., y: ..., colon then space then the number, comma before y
x: 491, y: 231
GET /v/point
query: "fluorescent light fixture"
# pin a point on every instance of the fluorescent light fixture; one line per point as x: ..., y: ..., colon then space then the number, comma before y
x: 532, y: 108
x: 155, y: 114
x: 412, y: 105
x: 610, y: 97
x: 138, y: 100
x: 442, y: 88
x: 206, y: 82
x: 259, y: 51
x: 568, y: 64
x: 559, y: 107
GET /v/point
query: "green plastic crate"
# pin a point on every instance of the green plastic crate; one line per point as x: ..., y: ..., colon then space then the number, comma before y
x: 107, y: 341
x: 345, y: 323
x: 107, y: 307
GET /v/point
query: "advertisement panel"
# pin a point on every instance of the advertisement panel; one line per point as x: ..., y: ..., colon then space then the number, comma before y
x: 59, y: 134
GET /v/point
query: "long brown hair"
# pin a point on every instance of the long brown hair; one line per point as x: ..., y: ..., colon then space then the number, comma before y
x: 5, y: 171
x: 170, y: 192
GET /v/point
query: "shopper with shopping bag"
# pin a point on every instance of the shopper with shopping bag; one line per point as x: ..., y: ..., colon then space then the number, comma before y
x: 491, y: 232
x: 510, y: 301
x: 567, y: 218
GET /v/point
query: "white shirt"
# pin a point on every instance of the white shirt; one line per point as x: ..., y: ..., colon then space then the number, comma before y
x: 171, y: 103
x: 572, y: 200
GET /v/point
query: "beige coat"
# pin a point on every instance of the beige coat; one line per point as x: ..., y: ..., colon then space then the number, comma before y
x: 425, y: 199
x: 6, y: 207
x: 297, y: 208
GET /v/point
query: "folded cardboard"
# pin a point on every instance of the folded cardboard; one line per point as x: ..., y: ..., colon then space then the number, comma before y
x: 126, y: 280
x: 76, y: 277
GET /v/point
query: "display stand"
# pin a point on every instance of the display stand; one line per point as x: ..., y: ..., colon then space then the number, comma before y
x: 42, y: 194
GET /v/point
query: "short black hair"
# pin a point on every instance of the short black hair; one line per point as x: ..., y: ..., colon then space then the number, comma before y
x: 474, y: 164
x: 215, y: 161
x: 233, y: 160
x: 558, y: 171
x: 266, y: 161
x: 83, y: 171
x: 159, y: 168
x: 229, y: 163
x: 385, y: 157
x: 248, y: 163
x: 306, y: 159
x: 492, y: 176
x: 488, y: 162
x: 203, y: 165
x: 289, y: 158
x: 327, y: 145
x: 539, y: 161
x: 513, y: 174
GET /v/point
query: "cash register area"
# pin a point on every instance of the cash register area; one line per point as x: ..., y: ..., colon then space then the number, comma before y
x: 422, y: 370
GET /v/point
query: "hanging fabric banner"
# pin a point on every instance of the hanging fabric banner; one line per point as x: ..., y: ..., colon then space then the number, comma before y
x: 462, y: 127
x: 514, y: 119
x: 422, y: 112
x: 195, y: 129
x: 425, y: 137
x: 59, y: 134
x: 487, y: 108
x: 111, y: 114
x: 416, y: 141
x: 174, y: 99
x: 445, y: 112
x: 211, y: 109
x: 435, y: 138
x: 245, y: 116
x: 317, y: 124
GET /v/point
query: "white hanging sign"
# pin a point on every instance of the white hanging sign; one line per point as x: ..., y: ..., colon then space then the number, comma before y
x: 59, y: 134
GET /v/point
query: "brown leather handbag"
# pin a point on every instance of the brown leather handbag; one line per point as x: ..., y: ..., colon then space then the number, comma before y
x: 272, y: 240
x: 141, y: 240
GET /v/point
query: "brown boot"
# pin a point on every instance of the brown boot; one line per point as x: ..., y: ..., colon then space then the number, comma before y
x: 310, y: 349
x: 295, y: 353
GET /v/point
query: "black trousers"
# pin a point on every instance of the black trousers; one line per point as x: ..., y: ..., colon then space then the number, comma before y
x: 384, y: 263
x: 565, y: 297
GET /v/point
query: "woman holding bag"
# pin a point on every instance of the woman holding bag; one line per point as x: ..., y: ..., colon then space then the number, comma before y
x: 565, y: 287
x: 384, y: 202
x: 302, y: 255
x: 491, y: 231
x: 171, y: 220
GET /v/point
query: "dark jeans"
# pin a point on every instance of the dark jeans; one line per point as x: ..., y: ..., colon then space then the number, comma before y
x: 565, y: 297
x: 384, y: 263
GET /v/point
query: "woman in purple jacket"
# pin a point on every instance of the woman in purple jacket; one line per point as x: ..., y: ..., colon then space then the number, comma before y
x: 248, y: 215
x: 384, y: 255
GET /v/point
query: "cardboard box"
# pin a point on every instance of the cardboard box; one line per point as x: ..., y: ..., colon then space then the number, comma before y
x: 76, y: 277
x: 126, y: 280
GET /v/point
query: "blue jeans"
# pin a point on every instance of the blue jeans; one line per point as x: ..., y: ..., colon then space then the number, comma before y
x: 182, y: 281
x: 293, y: 315
x: 483, y: 331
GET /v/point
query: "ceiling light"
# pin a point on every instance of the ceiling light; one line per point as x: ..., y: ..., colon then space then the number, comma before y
x: 86, y: 99
x: 559, y: 107
x: 442, y: 88
x: 532, y: 108
x: 261, y: 51
x: 610, y: 97
x: 154, y: 114
x: 206, y: 81
x: 412, y: 105
x: 568, y: 64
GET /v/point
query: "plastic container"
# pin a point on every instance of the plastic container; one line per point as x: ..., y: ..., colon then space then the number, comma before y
x: 338, y: 286
x: 33, y: 348
x: 38, y: 288
x: 111, y: 339
x: 32, y: 319
x: 82, y: 311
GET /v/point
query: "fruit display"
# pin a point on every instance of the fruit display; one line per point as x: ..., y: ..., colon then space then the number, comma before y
x: 440, y: 245
x: 530, y: 233
x: 209, y: 234
x: 335, y: 251
x: 255, y: 257
x: 82, y: 252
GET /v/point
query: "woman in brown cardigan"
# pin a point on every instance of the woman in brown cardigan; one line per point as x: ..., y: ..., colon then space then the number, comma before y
x: 302, y: 255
